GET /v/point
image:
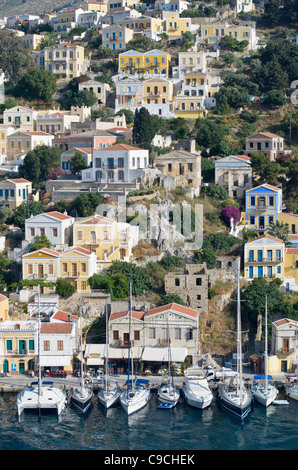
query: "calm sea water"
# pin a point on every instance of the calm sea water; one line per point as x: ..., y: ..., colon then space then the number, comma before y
x: 151, y: 429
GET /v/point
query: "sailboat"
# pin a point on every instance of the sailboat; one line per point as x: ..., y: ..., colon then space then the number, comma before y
x: 263, y: 391
x: 41, y: 396
x: 137, y: 393
x: 236, y: 398
x: 110, y: 393
x: 167, y: 393
x: 81, y: 396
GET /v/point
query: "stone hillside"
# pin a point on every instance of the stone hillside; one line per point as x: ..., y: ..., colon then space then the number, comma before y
x: 33, y: 7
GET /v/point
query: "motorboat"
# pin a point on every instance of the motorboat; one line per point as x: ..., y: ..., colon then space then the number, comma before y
x: 196, y: 391
x: 41, y: 397
x: 292, y: 388
x: 235, y: 397
x: 136, y: 396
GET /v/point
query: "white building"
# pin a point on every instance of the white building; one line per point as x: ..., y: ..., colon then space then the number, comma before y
x: 56, y: 123
x: 58, y: 341
x: 119, y: 163
x: 55, y: 226
x: 100, y: 89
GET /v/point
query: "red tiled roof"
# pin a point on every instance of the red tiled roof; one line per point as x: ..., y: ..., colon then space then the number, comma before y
x: 81, y: 250
x: 58, y: 215
x: 18, y: 180
x: 55, y: 328
x: 292, y: 251
x: 243, y: 157
x: 174, y: 307
x: 284, y: 321
x: 2, y: 298
x: 119, y: 147
x: 136, y: 314
x: 63, y: 316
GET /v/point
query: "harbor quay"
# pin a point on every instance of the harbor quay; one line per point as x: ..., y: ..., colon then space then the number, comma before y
x: 14, y: 384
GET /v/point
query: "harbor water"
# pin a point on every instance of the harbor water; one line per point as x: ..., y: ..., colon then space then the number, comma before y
x: 182, y: 428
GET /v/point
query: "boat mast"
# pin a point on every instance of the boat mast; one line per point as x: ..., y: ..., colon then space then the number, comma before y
x: 266, y: 346
x: 82, y: 378
x: 107, y: 348
x: 128, y: 361
x: 239, y: 348
x: 39, y: 365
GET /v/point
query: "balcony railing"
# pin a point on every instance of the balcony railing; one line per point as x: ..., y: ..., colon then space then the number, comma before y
x: 265, y: 260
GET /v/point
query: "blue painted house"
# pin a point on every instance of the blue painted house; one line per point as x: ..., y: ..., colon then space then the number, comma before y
x: 262, y: 206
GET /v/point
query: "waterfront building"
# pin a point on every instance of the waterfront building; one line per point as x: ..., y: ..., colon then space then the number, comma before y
x: 18, y: 346
x: 284, y: 346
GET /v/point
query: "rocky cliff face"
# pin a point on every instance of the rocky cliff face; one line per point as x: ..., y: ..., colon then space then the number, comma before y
x: 32, y: 7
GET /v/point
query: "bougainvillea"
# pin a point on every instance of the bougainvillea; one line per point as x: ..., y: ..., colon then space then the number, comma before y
x: 230, y: 212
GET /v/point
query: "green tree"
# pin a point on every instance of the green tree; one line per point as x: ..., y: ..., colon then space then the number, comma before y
x: 272, y: 13
x: 137, y: 275
x: 215, y: 192
x: 77, y: 163
x: 275, y: 98
x: 14, y: 58
x: 254, y: 296
x: 129, y: 115
x: 280, y: 230
x: 24, y: 211
x: 40, y: 241
x: 38, y: 163
x: 171, y: 299
x: 47, y: 40
x: 143, y: 132
x: 85, y: 204
x: 85, y: 98
x: 208, y: 256
x: 64, y: 288
x: 37, y: 85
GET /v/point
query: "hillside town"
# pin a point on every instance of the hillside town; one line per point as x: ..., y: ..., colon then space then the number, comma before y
x: 148, y: 145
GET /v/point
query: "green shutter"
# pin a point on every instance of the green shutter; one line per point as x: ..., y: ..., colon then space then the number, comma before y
x: 31, y: 344
x: 9, y: 345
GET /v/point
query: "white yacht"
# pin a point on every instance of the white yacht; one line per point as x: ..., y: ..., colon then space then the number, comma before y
x: 136, y: 396
x: 263, y: 391
x: 196, y: 390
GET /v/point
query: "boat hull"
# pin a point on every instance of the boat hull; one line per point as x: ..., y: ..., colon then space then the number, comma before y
x: 166, y: 394
x: 233, y: 404
x: 51, y: 399
x: 132, y: 404
x: 292, y: 392
x: 264, y: 396
x: 108, y: 398
x: 81, y: 400
x: 196, y: 392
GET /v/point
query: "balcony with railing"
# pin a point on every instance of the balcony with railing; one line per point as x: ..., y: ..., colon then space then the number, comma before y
x: 273, y: 259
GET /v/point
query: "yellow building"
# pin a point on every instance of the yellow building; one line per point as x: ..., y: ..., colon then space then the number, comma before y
x: 154, y: 62
x: 5, y: 131
x: 4, y: 308
x: 213, y: 33
x: 22, y: 142
x: 14, y: 192
x: 264, y: 257
x: 75, y: 265
x: 108, y: 239
x: 32, y: 41
x: 291, y: 270
x: 195, y: 97
x: 19, y: 346
x: 65, y: 60
x: 291, y: 220
x: 174, y: 27
x: 20, y: 116
x: 94, y: 6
